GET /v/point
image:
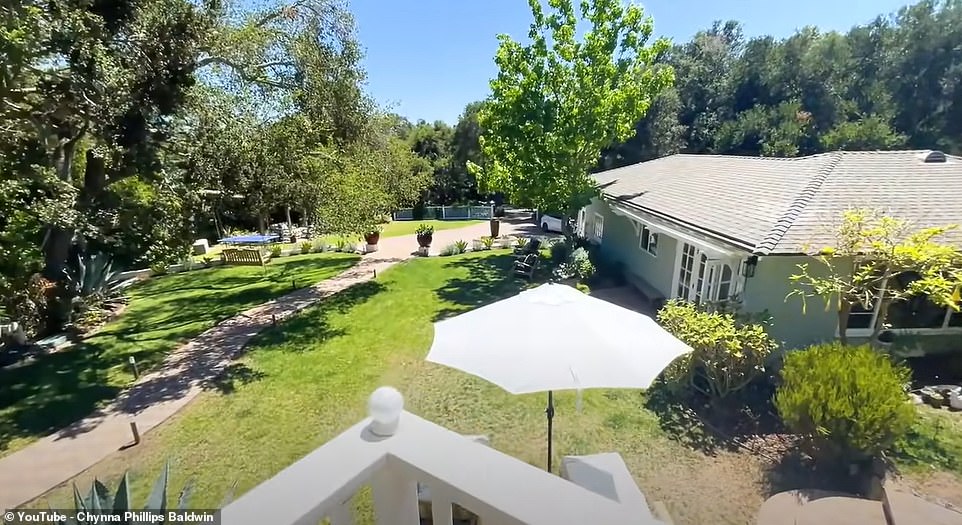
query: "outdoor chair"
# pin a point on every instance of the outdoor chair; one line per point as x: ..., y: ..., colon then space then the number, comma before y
x: 526, y: 266
x: 532, y: 247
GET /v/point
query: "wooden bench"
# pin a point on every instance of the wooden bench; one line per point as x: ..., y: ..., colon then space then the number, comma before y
x: 244, y: 257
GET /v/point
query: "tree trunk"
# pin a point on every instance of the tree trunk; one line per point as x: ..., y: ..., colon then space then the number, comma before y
x: 261, y: 223
x: 95, y: 178
x: 287, y: 215
x: 56, y: 245
x: 844, y: 309
x: 883, y: 312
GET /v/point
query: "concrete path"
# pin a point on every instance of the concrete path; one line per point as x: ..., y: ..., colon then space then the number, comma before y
x: 187, y: 371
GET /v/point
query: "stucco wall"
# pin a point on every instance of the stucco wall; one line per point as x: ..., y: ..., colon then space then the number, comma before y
x: 620, y: 243
x: 767, y: 291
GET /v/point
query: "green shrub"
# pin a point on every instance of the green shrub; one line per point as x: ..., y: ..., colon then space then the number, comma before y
x: 306, y: 247
x: 424, y: 229
x: 276, y: 250
x: 320, y: 246
x: 560, y: 252
x: 578, y: 265
x: 450, y: 249
x: 340, y: 245
x: 460, y: 246
x: 158, y: 268
x: 487, y: 242
x: 727, y: 354
x: 520, y: 242
x: 583, y: 288
x: 849, y: 402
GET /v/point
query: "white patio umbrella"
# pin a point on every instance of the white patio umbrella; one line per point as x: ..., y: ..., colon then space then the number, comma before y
x: 560, y: 339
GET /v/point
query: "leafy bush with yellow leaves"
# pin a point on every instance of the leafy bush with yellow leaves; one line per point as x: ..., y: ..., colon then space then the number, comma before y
x: 728, y: 353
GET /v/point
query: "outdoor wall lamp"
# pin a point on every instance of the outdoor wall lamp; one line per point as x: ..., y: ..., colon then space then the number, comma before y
x: 749, y: 269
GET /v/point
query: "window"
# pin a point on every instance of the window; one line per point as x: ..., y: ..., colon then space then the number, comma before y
x: 915, y: 313
x: 725, y: 283
x: 861, y: 317
x: 599, y: 226
x: 648, y: 241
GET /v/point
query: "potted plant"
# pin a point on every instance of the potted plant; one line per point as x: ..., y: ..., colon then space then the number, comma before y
x: 372, y: 237
x: 425, y: 234
x: 495, y: 226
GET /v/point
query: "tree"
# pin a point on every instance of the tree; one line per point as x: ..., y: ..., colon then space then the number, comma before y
x: 95, y: 84
x: 557, y: 102
x: 656, y: 135
x: 878, y: 258
x: 368, y: 181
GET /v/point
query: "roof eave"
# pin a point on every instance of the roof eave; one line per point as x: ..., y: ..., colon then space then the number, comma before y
x: 737, y: 243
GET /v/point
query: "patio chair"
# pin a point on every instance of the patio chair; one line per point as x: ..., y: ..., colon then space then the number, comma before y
x: 527, y: 266
x: 531, y: 247
x: 607, y: 475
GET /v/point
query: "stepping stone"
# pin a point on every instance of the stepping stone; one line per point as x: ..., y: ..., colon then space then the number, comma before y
x: 843, y: 510
x: 906, y: 509
x: 783, y: 508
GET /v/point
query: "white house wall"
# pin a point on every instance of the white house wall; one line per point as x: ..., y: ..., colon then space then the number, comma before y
x: 768, y: 289
x: 620, y: 243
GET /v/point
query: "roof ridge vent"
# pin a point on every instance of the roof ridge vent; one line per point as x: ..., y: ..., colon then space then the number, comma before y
x: 931, y: 157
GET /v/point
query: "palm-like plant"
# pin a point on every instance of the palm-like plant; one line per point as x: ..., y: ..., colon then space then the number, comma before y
x: 100, y: 501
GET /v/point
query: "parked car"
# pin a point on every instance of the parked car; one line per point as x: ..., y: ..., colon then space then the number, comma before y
x: 551, y: 223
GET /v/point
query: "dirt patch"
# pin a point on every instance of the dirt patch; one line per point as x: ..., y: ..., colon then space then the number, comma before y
x: 944, y: 488
x: 726, y: 488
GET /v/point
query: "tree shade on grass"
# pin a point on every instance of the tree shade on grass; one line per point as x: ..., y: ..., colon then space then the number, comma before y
x: 307, y: 380
x: 304, y: 382
x: 57, y: 389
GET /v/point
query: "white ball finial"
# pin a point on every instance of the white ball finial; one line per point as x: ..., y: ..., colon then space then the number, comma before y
x: 385, y: 406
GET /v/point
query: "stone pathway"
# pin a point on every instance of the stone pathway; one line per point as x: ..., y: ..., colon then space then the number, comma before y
x: 186, y: 372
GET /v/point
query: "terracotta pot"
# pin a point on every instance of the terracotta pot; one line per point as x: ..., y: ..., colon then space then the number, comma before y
x: 424, y: 241
x: 372, y: 238
x: 495, y: 227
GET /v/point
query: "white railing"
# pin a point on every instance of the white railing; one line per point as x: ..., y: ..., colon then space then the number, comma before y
x: 497, y: 488
x: 446, y: 213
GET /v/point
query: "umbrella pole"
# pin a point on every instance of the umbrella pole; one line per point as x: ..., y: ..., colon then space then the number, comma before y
x: 550, y: 413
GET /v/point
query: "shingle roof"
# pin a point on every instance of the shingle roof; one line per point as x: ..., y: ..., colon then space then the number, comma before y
x: 775, y: 205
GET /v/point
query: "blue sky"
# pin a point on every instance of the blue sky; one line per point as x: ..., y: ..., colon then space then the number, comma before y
x: 426, y: 59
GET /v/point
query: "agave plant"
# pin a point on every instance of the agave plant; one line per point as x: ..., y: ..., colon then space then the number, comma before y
x: 93, y: 276
x: 100, y: 501
x: 460, y: 246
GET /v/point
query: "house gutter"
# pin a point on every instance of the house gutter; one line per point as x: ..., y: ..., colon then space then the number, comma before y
x: 713, y: 235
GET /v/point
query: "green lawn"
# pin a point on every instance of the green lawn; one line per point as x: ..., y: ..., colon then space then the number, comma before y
x: 391, y: 229
x: 307, y: 380
x: 397, y: 228
x: 55, y: 390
